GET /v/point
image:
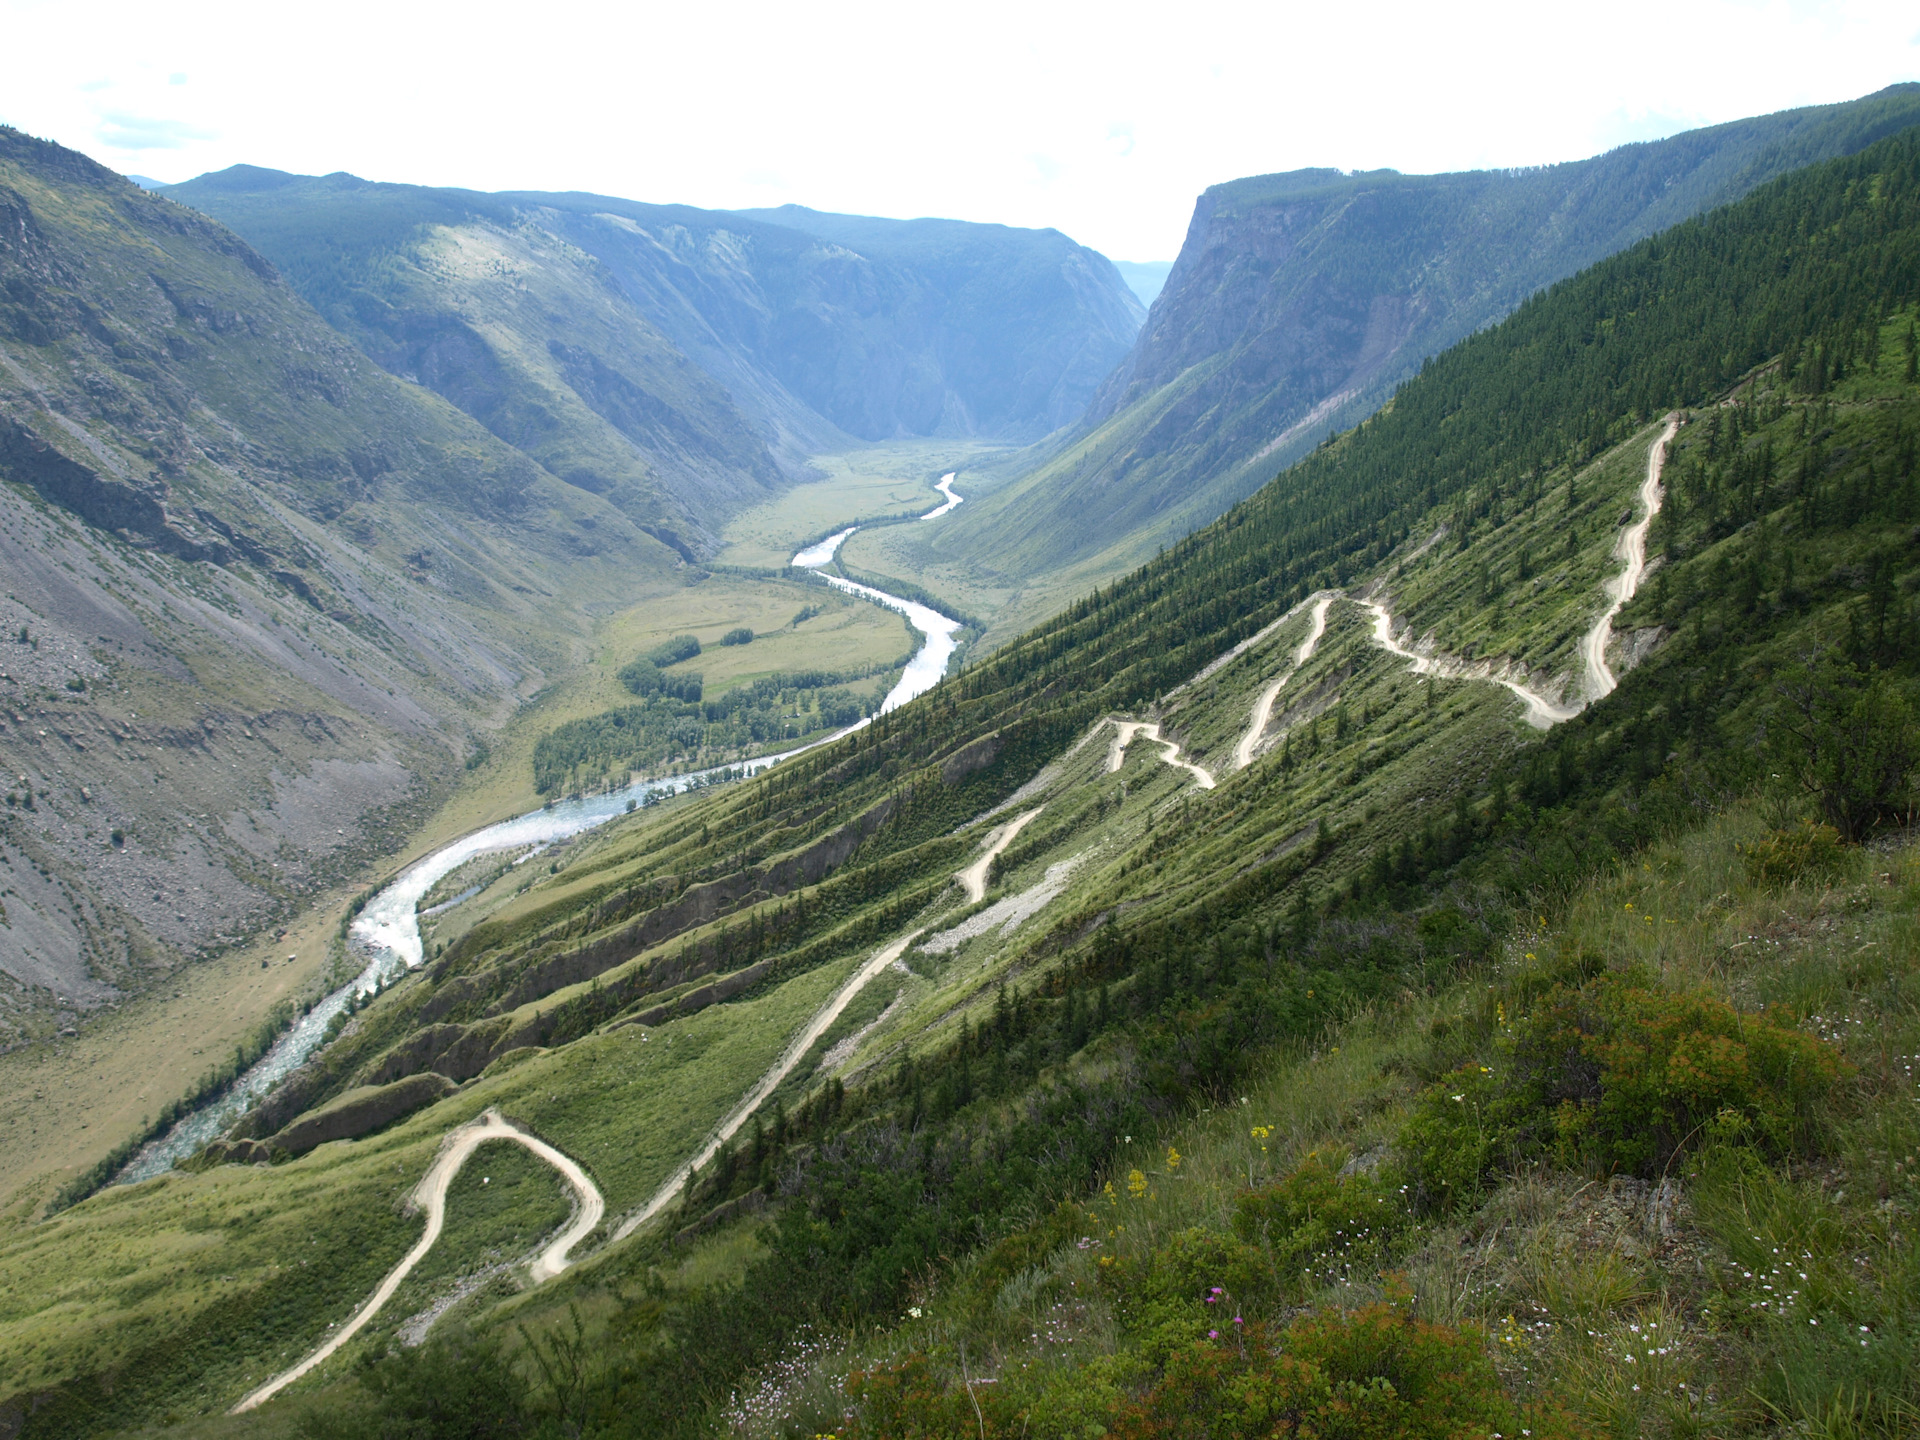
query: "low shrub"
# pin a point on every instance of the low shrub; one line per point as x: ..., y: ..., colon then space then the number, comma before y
x: 1614, y: 1075
x: 1322, y: 1225
x: 1370, y: 1374
x: 1199, y: 1281
x: 1811, y: 852
x: 740, y: 635
x: 911, y: 1399
x: 454, y: 1388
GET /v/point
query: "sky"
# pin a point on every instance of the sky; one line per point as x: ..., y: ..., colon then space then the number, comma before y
x: 1103, y: 121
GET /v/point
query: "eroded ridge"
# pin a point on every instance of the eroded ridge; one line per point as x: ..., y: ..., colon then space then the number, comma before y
x: 431, y: 1196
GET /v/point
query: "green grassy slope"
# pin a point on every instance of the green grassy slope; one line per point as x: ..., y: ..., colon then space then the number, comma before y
x: 1149, y: 948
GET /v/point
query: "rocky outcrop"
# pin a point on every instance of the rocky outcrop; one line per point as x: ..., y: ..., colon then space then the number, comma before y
x: 136, y: 512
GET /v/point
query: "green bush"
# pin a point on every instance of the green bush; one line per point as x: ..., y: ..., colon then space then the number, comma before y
x: 1447, y: 1143
x: 1851, y: 740
x: 1371, y: 1374
x: 1613, y: 1075
x: 740, y: 635
x: 672, y: 652
x: 456, y: 1388
x: 1196, y: 1282
x: 1785, y: 856
x: 910, y: 1399
x: 1321, y: 1224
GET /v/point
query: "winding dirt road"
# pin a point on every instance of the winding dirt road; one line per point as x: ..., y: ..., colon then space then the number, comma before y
x: 1263, y: 707
x: 1542, y: 713
x: 796, y: 1051
x: 1632, y: 549
x: 973, y: 879
x: 1124, y: 733
x: 431, y: 1196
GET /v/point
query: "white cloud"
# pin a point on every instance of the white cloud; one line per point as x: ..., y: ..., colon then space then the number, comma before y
x: 119, y: 131
x: 1104, y: 122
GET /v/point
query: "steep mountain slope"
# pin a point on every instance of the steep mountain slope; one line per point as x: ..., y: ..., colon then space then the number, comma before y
x: 1019, y: 323
x: 491, y: 306
x: 1299, y: 301
x: 258, y: 593
x: 622, y: 344
x: 1228, y: 814
x: 1146, y: 278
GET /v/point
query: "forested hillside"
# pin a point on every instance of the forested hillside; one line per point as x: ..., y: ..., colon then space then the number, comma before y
x: 1300, y: 301
x: 1308, y: 1040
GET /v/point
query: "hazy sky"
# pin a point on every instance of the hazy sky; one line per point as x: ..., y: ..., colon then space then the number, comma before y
x: 1104, y: 121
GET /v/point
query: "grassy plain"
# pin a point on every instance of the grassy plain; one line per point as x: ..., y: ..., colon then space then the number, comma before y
x: 65, y: 1104
x: 893, y: 478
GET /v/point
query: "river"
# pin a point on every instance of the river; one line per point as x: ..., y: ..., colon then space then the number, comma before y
x: 385, y: 936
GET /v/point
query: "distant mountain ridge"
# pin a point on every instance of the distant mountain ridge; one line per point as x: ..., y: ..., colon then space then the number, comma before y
x: 661, y: 354
x: 1300, y: 300
x: 1146, y: 278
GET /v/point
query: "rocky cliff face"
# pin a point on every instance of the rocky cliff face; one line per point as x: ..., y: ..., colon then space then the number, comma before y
x: 258, y: 595
x: 1299, y: 301
x: 675, y: 359
x: 990, y: 330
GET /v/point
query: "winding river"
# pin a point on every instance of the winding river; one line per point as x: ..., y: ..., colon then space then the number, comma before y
x: 385, y: 936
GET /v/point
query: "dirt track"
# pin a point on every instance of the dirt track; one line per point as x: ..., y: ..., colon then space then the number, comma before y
x: 973, y: 879
x: 1263, y: 707
x: 1633, y: 550
x: 796, y: 1051
x: 1126, y: 730
x: 431, y: 1196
